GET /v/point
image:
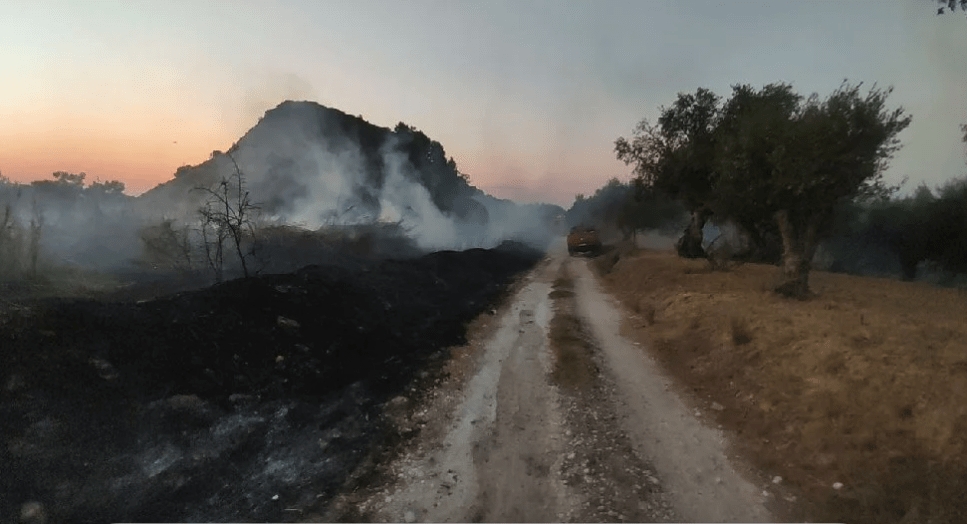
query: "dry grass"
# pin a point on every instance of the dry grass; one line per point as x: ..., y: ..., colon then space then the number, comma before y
x: 864, y: 384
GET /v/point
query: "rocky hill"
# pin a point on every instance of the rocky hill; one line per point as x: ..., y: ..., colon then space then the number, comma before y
x: 310, y: 165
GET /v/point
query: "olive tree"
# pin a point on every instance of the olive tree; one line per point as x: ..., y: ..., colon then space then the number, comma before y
x: 951, y: 5
x: 798, y: 159
x: 677, y: 156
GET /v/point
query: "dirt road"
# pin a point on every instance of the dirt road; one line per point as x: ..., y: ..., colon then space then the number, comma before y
x: 551, y: 415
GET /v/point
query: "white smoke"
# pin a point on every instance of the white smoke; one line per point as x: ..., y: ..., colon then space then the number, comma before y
x: 405, y: 202
x: 313, y: 181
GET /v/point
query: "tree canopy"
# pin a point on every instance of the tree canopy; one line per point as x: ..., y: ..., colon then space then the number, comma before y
x: 951, y: 5
x: 677, y: 156
x: 625, y: 208
x: 770, y: 160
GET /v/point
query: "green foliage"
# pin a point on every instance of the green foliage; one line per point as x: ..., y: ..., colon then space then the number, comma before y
x: 70, y: 179
x: 677, y: 155
x: 111, y: 187
x: 948, y: 226
x: 771, y: 161
x: 650, y: 209
x: 951, y: 5
x: 600, y: 209
x: 779, y: 152
x: 926, y: 227
x: 626, y: 208
x: 449, y: 189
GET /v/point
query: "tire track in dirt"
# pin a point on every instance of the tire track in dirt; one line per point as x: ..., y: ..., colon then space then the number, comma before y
x: 609, y: 480
x: 553, y: 417
x: 515, y: 462
x: 689, y: 456
x: 490, y: 448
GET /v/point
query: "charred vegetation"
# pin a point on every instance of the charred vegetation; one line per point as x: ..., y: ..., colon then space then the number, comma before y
x: 156, y: 377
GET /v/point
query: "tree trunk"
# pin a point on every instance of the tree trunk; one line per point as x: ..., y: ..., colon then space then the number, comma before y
x: 237, y: 237
x: 762, y: 248
x: 690, y: 245
x: 908, y: 266
x: 798, y: 249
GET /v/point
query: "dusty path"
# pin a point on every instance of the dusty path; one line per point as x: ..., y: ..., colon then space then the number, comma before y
x: 559, y: 418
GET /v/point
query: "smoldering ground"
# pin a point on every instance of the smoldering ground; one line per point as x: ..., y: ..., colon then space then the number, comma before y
x: 252, y: 399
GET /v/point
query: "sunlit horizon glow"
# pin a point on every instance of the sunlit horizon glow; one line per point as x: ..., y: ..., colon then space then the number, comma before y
x: 528, y: 97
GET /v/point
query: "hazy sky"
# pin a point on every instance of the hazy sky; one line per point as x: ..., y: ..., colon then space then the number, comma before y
x: 528, y: 97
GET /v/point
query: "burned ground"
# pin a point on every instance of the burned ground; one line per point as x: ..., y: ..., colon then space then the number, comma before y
x: 251, y: 399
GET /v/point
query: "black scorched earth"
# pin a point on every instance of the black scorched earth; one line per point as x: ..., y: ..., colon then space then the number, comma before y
x: 249, y: 400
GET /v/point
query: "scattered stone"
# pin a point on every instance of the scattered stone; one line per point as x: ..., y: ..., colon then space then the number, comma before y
x: 409, y: 516
x: 275, y: 497
x: 837, y: 485
x: 777, y: 480
x: 286, y: 323
x: 240, y: 398
x: 104, y: 368
x: 33, y: 512
x: 717, y: 407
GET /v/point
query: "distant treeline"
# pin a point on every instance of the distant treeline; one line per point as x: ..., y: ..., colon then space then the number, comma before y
x: 627, y: 208
x: 904, y: 236
x: 57, y: 216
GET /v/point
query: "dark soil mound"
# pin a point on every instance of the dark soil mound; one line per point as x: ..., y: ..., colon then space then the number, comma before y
x: 248, y: 400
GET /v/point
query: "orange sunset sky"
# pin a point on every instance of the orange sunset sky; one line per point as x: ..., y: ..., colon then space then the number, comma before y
x: 528, y: 97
